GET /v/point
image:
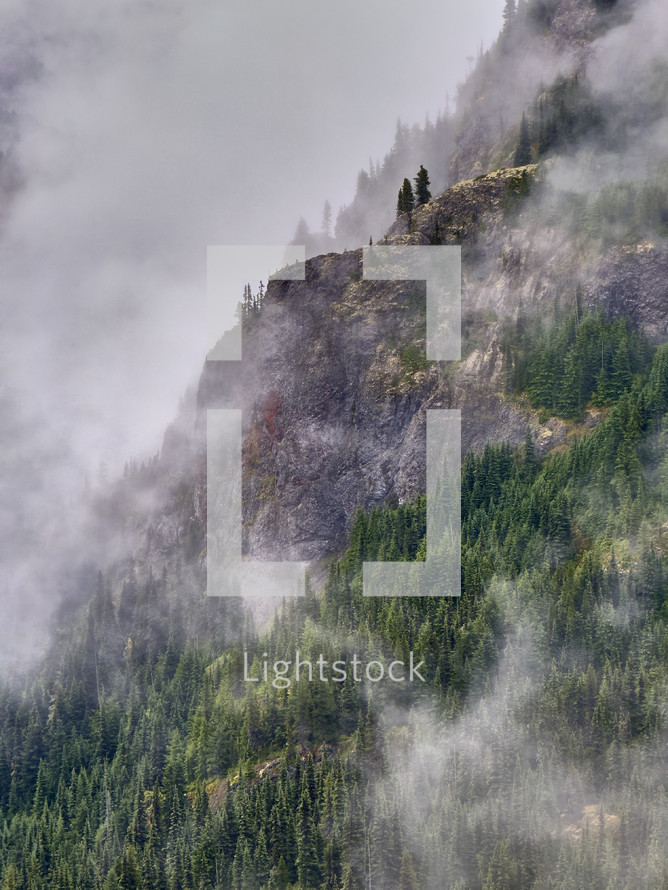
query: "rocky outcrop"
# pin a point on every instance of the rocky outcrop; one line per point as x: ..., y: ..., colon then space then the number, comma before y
x: 334, y: 405
x: 632, y: 281
x: 334, y: 385
x: 467, y: 210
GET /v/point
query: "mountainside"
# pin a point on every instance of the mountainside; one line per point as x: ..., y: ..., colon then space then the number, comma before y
x: 334, y: 384
x: 166, y: 742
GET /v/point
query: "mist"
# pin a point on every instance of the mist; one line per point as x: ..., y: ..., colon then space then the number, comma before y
x: 134, y: 135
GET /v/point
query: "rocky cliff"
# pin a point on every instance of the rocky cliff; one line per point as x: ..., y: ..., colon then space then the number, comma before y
x: 334, y: 384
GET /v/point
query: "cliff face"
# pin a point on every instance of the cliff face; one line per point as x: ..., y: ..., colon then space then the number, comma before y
x: 524, y: 247
x: 334, y: 401
x: 334, y: 384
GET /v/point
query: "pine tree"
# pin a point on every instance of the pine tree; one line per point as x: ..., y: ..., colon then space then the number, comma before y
x: 327, y: 220
x: 422, y: 193
x: 308, y: 866
x: 523, y: 150
x: 509, y: 12
x: 262, y: 859
x: 407, y: 877
x: 10, y: 881
x: 280, y: 875
x: 248, y: 876
x: 530, y: 460
x: 620, y: 372
x: 408, y: 201
x: 302, y: 234
x: 332, y: 867
x: 130, y: 876
x: 501, y: 874
x: 400, y: 202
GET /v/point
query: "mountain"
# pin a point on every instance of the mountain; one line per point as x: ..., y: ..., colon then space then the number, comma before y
x: 166, y: 742
x: 531, y: 238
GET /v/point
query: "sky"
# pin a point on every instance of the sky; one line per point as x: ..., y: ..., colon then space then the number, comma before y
x: 156, y: 129
x: 140, y: 132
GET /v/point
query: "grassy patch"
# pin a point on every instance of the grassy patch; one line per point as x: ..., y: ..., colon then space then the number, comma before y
x: 413, y: 359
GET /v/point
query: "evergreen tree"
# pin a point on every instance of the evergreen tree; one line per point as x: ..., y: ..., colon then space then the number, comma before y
x: 523, y: 150
x: 10, y: 881
x: 509, y: 13
x: 543, y: 541
x: 501, y: 874
x: 406, y: 198
x: 422, y: 193
x: 308, y: 866
x: 130, y: 875
x: 280, y: 876
x: 302, y: 234
x: 262, y: 859
x: 327, y: 220
x: 407, y: 877
x: 400, y: 202
x: 409, y: 198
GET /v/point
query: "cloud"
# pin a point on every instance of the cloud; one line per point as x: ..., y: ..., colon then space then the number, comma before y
x: 140, y: 133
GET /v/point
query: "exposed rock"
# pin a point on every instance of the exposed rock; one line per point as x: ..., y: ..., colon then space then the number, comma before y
x: 335, y: 394
x: 633, y: 282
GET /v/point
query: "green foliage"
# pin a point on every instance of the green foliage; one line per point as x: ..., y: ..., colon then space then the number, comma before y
x: 518, y: 186
x: 624, y: 212
x: 580, y: 359
x: 413, y: 359
x: 422, y: 193
x: 251, y: 305
x: 167, y: 771
x: 406, y: 198
x: 566, y: 113
x: 371, y: 209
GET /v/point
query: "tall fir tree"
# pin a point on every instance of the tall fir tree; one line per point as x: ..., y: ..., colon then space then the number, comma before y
x: 408, y: 198
x: 327, y: 220
x: 523, y: 150
x: 509, y: 12
x: 422, y: 193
